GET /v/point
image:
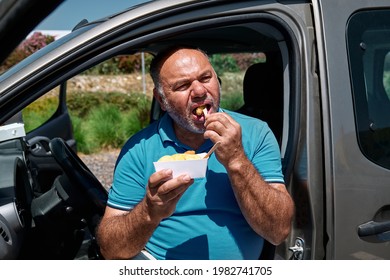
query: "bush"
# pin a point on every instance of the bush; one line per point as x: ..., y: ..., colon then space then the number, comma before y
x: 105, y: 127
x: 29, y: 46
x: 234, y: 63
x: 223, y: 63
x: 80, y: 134
x: 111, y: 120
x: 38, y: 112
x: 232, y: 101
x: 124, y: 64
x: 81, y: 103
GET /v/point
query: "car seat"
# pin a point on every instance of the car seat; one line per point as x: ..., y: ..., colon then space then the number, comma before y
x: 263, y: 99
x: 263, y: 93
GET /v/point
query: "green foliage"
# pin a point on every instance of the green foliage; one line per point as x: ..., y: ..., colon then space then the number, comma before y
x: 233, y: 63
x: 127, y: 64
x: 232, y: 82
x: 223, y: 63
x: 133, y: 123
x: 32, y: 119
x: 111, y: 121
x: 80, y: 132
x: 39, y: 112
x: 105, y: 127
x: 123, y: 64
x: 232, y: 101
x: 142, y: 113
x: 81, y: 103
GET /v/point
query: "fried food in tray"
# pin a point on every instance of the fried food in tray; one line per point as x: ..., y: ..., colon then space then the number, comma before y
x: 189, y: 155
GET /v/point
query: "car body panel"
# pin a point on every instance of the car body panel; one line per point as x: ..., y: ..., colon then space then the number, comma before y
x: 352, y: 181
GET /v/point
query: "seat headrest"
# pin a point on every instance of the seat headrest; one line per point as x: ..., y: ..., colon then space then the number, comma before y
x: 263, y: 93
x: 261, y: 83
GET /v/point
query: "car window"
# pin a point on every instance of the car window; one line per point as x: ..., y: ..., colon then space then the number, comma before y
x: 41, y: 110
x: 368, y: 34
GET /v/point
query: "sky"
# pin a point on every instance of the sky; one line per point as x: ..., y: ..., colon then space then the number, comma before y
x: 71, y: 12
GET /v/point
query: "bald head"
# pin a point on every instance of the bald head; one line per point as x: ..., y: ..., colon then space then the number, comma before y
x: 161, y: 57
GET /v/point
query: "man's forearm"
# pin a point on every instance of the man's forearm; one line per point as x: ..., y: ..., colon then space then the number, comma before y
x: 267, y: 208
x: 124, y: 236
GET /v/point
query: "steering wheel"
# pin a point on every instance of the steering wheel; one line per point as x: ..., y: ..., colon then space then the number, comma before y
x: 79, y: 174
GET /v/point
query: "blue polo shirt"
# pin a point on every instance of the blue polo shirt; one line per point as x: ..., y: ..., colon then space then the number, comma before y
x: 207, y: 222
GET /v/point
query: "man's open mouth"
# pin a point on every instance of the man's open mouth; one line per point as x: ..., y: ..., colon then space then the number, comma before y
x: 201, y: 111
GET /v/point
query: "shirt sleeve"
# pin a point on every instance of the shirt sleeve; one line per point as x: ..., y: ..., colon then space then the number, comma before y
x: 128, y: 187
x: 265, y: 152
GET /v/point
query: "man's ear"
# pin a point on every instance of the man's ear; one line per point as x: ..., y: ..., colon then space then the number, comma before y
x: 158, y: 97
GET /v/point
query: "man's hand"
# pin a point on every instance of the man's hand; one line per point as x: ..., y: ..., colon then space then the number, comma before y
x: 222, y: 127
x: 163, y: 192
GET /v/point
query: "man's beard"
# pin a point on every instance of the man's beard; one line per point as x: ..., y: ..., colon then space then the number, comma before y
x: 184, y: 121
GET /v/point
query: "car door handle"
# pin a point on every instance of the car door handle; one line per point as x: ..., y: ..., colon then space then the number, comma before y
x: 380, y: 230
x: 39, y: 145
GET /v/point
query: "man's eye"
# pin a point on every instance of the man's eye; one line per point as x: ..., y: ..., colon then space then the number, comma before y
x: 205, y: 79
x: 181, y: 87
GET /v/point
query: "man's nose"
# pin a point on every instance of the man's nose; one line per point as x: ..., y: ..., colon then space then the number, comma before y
x: 198, y: 89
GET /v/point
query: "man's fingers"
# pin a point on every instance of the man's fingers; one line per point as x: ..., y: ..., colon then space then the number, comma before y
x: 175, y: 183
x: 163, y: 187
x: 157, y: 178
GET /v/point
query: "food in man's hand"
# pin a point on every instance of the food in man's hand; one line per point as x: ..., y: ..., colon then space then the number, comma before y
x: 189, y: 155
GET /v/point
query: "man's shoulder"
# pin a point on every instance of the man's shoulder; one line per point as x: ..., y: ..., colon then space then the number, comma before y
x: 243, y: 119
x: 147, y: 134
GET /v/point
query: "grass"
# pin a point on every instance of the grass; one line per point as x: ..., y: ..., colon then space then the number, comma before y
x: 39, y: 112
x: 231, y: 90
x: 110, y: 123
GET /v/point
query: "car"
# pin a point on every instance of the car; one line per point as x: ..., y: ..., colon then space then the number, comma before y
x: 324, y: 89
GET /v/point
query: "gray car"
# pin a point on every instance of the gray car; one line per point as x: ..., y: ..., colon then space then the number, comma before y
x: 324, y: 89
